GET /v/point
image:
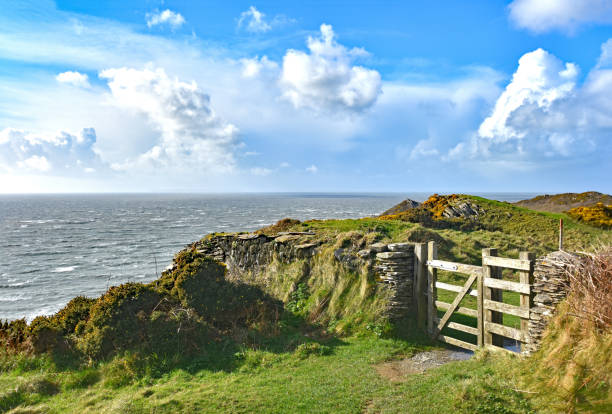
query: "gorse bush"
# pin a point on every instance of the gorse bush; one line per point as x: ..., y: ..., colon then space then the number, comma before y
x: 599, y: 215
x: 179, y: 313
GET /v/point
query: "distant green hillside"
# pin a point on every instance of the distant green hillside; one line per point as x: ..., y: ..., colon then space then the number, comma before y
x: 559, y: 203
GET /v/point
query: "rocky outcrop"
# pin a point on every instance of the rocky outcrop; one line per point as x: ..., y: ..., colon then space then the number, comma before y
x: 463, y: 209
x: 405, y: 205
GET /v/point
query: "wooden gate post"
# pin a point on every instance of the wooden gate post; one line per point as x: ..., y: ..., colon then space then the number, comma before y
x: 526, y: 300
x: 420, y: 284
x: 432, y: 273
x: 480, y: 310
x: 492, y: 294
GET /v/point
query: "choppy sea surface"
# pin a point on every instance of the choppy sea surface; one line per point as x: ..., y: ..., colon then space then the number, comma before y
x: 56, y: 247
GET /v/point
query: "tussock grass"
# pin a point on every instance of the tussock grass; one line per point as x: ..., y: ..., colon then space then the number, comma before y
x: 574, y: 365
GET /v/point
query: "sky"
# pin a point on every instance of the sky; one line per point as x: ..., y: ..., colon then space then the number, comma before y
x: 309, y: 96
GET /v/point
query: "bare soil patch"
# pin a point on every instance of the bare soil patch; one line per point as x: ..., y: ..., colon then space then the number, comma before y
x: 400, y: 370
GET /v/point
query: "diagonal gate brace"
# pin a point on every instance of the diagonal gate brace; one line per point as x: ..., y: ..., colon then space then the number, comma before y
x: 466, y: 288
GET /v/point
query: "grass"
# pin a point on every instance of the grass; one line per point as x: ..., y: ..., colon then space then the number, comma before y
x: 342, y: 379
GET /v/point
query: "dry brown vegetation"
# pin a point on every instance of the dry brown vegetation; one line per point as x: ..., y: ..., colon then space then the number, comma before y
x: 574, y: 365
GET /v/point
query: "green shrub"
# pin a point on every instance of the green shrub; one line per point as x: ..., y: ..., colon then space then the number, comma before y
x: 75, y: 312
x: 41, y: 386
x: 82, y: 379
x: 200, y: 284
x: 118, y: 320
x: 298, y: 299
x: 303, y: 351
x: 45, y: 335
x: 13, y: 334
x: 10, y: 400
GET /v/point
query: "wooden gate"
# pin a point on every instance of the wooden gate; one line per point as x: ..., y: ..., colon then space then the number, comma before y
x: 484, y: 282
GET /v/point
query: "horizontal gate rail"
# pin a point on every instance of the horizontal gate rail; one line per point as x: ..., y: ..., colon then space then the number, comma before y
x: 507, y: 285
x: 457, y: 342
x: 506, y: 308
x: 506, y: 331
x: 460, y: 327
x: 517, y: 264
x: 454, y: 288
x: 460, y: 309
x: 455, y: 267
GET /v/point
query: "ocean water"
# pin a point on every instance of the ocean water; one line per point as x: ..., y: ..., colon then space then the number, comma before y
x: 56, y: 247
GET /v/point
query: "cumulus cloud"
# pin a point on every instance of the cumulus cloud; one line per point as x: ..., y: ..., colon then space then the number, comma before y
x: 566, y: 15
x: 540, y: 80
x: 191, y: 135
x: 62, y: 153
x: 312, y: 169
x: 544, y: 115
x: 326, y: 78
x: 253, y: 67
x: 166, y: 17
x: 73, y: 78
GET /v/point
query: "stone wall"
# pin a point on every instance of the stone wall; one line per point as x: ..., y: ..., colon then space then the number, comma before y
x: 391, y: 265
x: 549, y: 289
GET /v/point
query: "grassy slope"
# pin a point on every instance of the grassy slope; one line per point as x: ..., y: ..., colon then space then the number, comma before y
x: 343, y: 382
x: 288, y: 380
x: 564, y: 202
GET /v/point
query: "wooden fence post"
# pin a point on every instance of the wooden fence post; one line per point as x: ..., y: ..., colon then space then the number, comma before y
x: 432, y: 273
x: 526, y: 300
x: 480, y: 310
x: 420, y: 284
x: 492, y: 294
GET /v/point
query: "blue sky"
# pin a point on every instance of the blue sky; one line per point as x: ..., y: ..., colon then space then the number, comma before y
x: 306, y: 96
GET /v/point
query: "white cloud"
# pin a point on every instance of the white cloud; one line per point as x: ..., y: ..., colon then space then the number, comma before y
x: 423, y: 148
x: 539, y: 81
x: 566, y: 15
x: 253, y: 67
x: 192, y: 136
x: 166, y: 17
x: 74, y: 79
x: 543, y: 116
x: 284, y: 165
x: 312, y: 169
x: 261, y: 171
x: 254, y: 21
x: 62, y: 152
x: 35, y: 162
x: 326, y: 78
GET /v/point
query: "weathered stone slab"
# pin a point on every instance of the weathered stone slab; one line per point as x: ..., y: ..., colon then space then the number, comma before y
x: 392, y: 255
x: 401, y: 247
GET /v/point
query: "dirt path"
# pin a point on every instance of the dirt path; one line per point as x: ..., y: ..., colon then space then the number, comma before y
x: 398, y: 371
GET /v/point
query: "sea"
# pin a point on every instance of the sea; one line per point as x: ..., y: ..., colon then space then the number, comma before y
x: 56, y: 247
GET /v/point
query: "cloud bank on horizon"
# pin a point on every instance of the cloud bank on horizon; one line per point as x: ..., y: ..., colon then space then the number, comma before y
x: 91, y: 99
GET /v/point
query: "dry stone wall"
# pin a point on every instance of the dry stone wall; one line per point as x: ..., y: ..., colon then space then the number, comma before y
x: 549, y: 289
x: 391, y: 265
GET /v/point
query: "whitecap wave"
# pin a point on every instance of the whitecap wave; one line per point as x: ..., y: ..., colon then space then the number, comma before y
x: 63, y: 269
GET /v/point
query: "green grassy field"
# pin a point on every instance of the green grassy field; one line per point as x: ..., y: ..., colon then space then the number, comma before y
x: 340, y: 379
